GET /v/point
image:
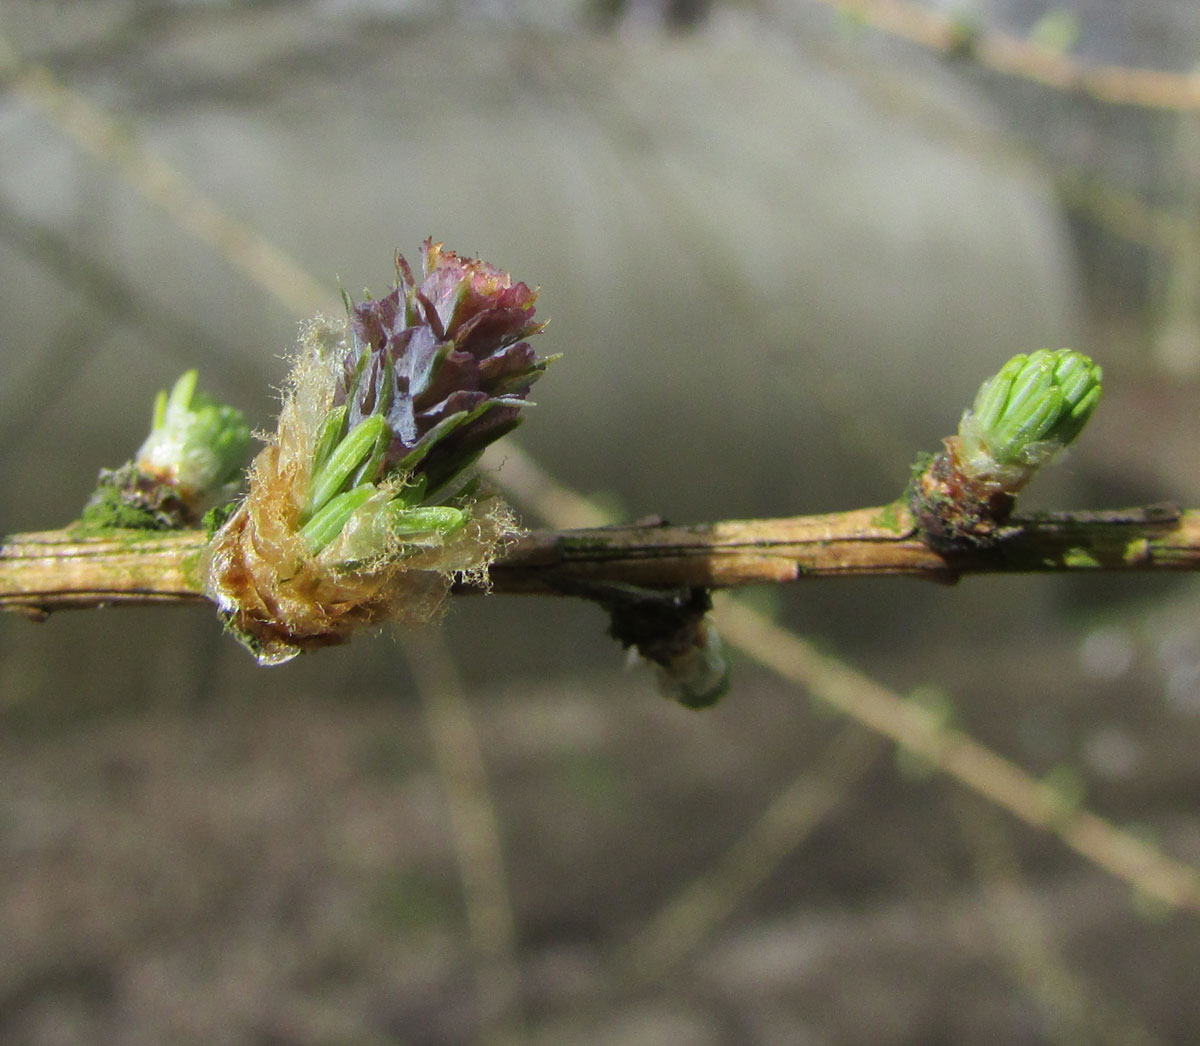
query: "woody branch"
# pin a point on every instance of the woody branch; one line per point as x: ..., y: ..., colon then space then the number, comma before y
x: 53, y: 570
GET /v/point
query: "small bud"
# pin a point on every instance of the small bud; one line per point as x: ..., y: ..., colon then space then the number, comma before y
x: 698, y: 675
x: 1022, y: 418
x: 672, y: 630
x: 1027, y: 413
x: 192, y: 458
x: 196, y: 444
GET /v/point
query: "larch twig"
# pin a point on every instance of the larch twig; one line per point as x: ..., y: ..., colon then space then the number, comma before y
x: 65, y: 569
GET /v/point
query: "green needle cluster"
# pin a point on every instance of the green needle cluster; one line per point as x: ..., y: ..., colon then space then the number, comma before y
x: 346, y: 466
x: 1036, y: 405
x: 349, y: 464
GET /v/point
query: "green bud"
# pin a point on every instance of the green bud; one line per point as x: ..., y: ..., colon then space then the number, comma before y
x: 195, y: 443
x: 1034, y: 406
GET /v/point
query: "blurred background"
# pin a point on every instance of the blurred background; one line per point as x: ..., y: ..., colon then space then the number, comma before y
x: 781, y: 242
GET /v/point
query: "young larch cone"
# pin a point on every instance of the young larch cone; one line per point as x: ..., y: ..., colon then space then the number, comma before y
x: 365, y: 506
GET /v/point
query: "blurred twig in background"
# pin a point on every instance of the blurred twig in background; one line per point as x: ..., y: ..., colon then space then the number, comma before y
x: 1029, y: 60
x: 105, y: 138
x: 1076, y: 1012
x: 475, y: 828
x: 713, y: 894
x: 99, y: 282
x: 959, y: 756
